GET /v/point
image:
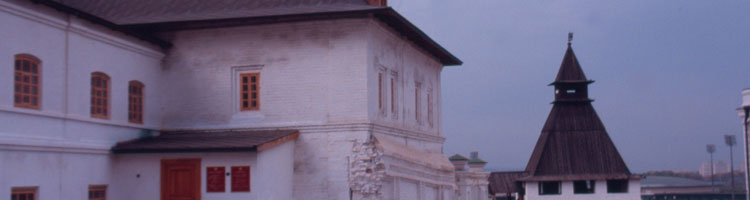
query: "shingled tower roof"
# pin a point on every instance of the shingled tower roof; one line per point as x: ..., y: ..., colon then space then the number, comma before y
x: 570, y: 70
x: 574, y: 144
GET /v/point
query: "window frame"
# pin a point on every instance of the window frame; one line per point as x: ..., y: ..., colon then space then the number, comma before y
x: 542, y: 186
x: 249, y: 98
x: 106, y: 97
x: 24, y: 190
x: 18, y: 83
x: 97, y: 188
x: 136, y: 108
x: 578, y: 190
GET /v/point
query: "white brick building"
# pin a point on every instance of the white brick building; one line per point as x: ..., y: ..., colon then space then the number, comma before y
x: 345, y: 105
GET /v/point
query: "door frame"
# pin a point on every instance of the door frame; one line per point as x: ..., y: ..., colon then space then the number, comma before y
x: 195, y: 162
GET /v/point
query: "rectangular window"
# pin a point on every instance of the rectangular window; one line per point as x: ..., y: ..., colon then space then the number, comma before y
x: 99, y: 95
x: 135, y: 102
x: 417, y: 105
x: 583, y: 187
x: 430, y: 118
x: 380, y: 90
x: 98, y: 192
x: 549, y: 187
x: 250, y: 91
x: 23, y: 193
x: 27, y: 82
x: 617, y: 186
x: 393, y: 95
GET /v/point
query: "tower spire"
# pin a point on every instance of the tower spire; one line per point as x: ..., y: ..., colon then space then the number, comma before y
x: 571, y: 83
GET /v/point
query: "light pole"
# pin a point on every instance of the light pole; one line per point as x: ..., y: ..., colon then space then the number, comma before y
x: 731, y: 141
x: 710, y: 148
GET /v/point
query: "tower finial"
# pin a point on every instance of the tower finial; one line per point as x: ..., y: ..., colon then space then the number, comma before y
x: 570, y: 37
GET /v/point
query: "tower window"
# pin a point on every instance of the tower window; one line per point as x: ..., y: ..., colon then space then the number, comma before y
x: 617, y: 186
x: 250, y: 91
x: 27, y: 82
x: 99, y: 95
x: 570, y: 91
x: 135, y: 102
x: 584, y: 187
x: 549, y: 187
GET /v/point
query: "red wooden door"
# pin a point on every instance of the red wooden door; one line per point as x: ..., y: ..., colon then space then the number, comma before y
x: 181, y: 179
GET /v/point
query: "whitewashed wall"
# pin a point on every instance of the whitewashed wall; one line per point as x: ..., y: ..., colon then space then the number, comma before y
x: 270, y: 174
x: 59, y: 148
x: 391, y: 54
x: 319, y: 77
x: 312, y: 73
x: 410, y: 65
x: 600, y: 192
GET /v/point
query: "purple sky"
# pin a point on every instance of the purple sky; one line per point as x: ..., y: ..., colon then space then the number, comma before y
x: 668, y: 74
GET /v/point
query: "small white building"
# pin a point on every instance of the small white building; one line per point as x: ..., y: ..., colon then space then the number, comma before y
x: 140, y: 99
x: 744, y: 112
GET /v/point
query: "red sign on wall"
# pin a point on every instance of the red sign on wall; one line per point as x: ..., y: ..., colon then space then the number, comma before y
x: 240, y: 178
x: 215, y: 179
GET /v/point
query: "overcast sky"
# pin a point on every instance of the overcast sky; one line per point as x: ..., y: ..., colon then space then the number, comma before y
x: 668, y: 74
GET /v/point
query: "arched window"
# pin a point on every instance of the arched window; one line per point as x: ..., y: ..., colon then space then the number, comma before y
x: 135, y: 102
x: 99, y: 95
x: 28, y: 82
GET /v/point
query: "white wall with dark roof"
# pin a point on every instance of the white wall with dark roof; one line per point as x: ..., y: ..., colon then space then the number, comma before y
x: 59, y: 148
x: 319, y: 77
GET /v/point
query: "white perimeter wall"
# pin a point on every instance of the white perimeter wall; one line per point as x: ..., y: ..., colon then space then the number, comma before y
x: 600, y: 192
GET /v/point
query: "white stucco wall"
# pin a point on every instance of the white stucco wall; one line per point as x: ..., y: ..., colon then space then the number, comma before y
x: 59, y: 148
x: 312, y: 73
x: 318, y: 77
x: 600, y: 192
x: 270, y: 174
x: 57, y: 175
x: 410, y: 65
x: 70, y: 49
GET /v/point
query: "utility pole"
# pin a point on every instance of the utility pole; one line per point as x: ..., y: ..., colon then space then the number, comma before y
x: 710, y: 148
x: 731, y: 141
